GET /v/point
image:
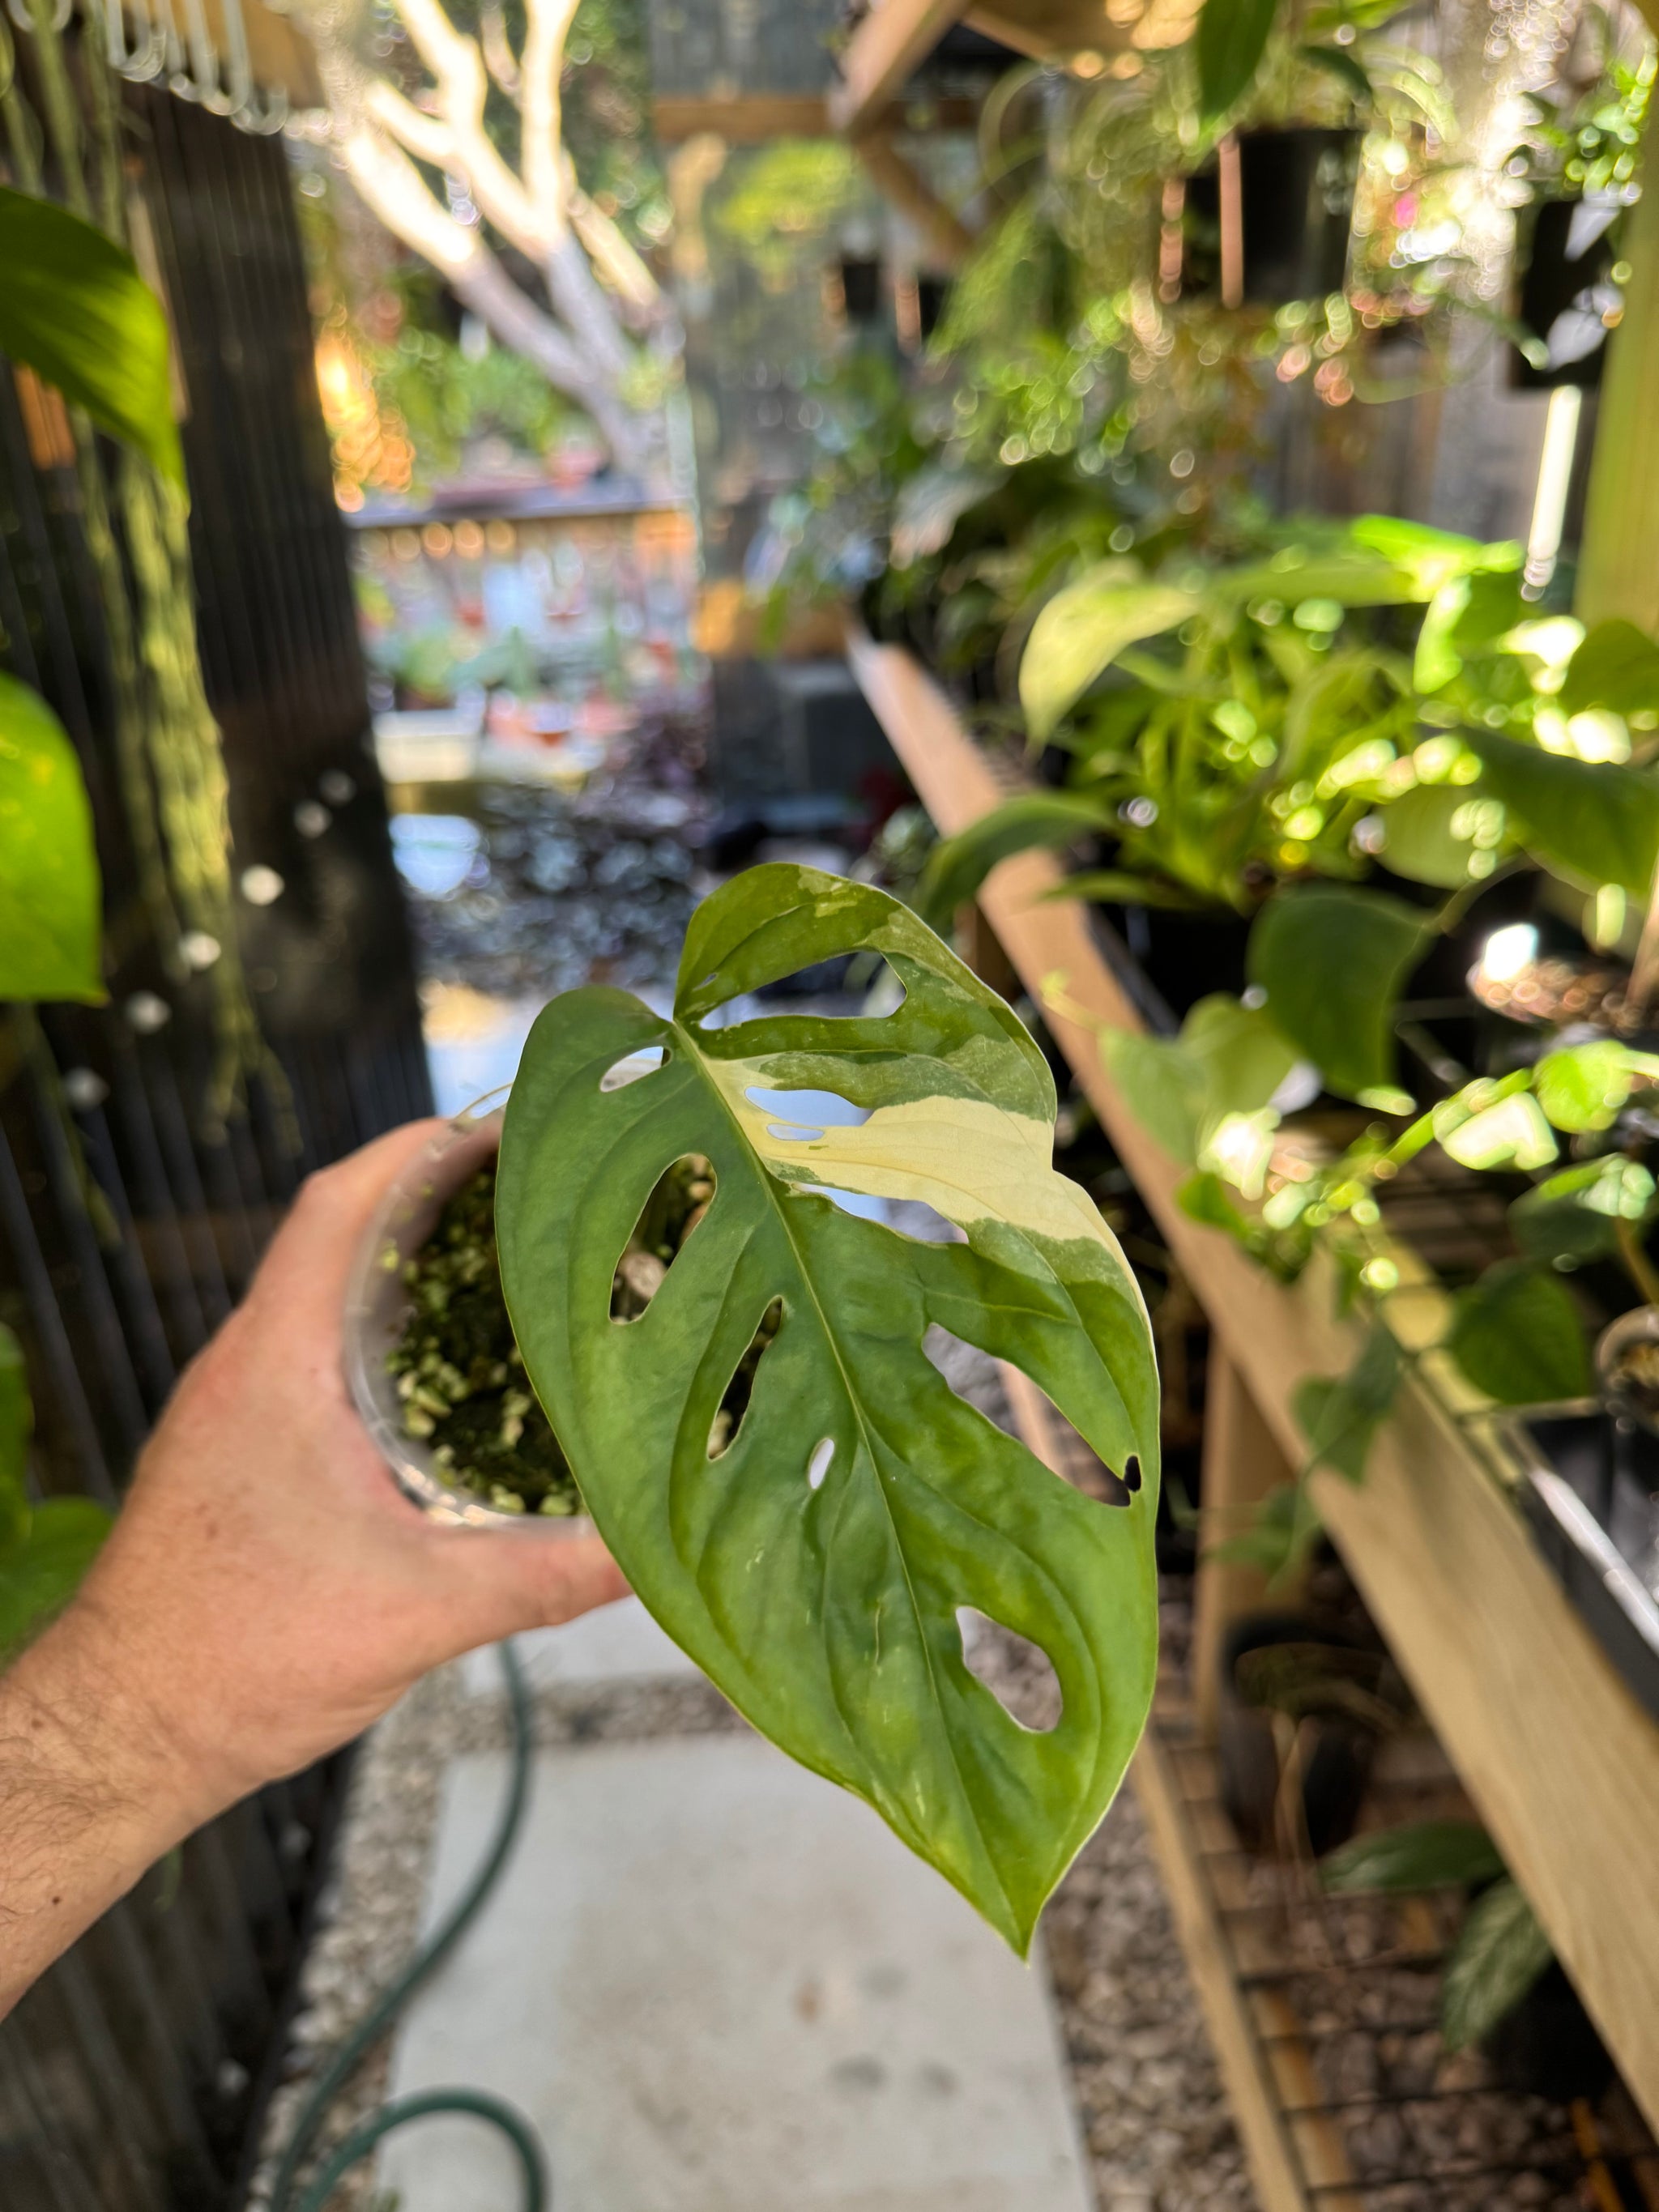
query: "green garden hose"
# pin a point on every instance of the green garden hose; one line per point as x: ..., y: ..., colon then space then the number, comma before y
x: 285, y: 2196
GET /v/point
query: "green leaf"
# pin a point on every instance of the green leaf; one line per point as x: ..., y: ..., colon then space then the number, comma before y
x: 1500, y: 1953
x: 1081, y: 631
x: 1424, y: 1855
x: 957, y: 865
x: 50, y: 898
x: 16, y: 1421
x: 75, y: 308
x: 1616, y: 666
x: 1244, y: 1055
x: 1595, y: 821
x: 1333, y: 962
x: 1230, y: 41
x: 1428, y: 833
x: 1205, y: 1199
x: 1122, y: 887
x: 1282, y: 1530
x: 829, y: 1613
x: 1574, y: 1216
x: 41, y: 1572
x: 1343, y: 66
x: 1432, y: 557
x: 1340, y: 1414
x: 1583, y: 1086
x: 1163, y: 1086
x: 931, y: 503
x: 1517, y: 1334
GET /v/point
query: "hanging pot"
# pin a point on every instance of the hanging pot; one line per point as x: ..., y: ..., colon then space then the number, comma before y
x: 1566, y: 299
x: 1268, y: 222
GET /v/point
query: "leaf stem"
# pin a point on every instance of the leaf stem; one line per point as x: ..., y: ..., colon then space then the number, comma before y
x: 1638, y: 1265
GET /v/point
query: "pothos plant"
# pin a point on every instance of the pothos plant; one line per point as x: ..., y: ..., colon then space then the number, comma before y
x: 1569, y: 1132
x: 1244, y: 737
x: 817, y: 1562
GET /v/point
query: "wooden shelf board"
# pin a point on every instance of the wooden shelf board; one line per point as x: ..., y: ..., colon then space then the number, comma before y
x: 1559, y: 1758
x: 886, y: 47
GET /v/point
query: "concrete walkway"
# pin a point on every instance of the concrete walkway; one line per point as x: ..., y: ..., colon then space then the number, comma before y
x: 717, y: 1983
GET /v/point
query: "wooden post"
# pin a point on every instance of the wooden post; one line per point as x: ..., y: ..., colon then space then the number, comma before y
x: 1242, y: 1463
x: 1619, y: 560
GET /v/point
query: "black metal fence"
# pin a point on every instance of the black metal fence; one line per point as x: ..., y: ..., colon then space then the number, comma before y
x: 132, y: 2078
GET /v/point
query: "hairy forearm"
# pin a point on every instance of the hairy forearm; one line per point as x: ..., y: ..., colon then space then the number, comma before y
x: 90, y: 1795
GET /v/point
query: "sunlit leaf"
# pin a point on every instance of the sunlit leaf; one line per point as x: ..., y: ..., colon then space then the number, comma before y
x: 1500, y: 1953
x: 1432, y: 557
x: 1423, y: 1855
x: 1229, y: 42
x: 51, y: 905
x: 1574, y: 1215
x: 73, y: 307
x: 1429, y: 834
x: 1333, y: 962
x: 1517, y: 1336
x: 1583, y: 1086
x: 1513, y: 1133
x: 1081, y: 631
x: 1617, y: 666
x: 1595, y: 821
x: 957, y: 865
x: 823, y: 1599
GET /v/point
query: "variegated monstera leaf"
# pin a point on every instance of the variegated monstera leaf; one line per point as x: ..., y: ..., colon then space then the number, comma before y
x: 818, y: 1558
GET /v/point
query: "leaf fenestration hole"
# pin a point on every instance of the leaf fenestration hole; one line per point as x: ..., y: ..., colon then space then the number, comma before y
x: 735, y: 1399
x: 818, y: 1466
x: 682, y: 1194
x: 1019, y: 1675
x: 847, y: 988
x: 634, y: 1066
x: 975, y: 1377
x: 806, y: 1114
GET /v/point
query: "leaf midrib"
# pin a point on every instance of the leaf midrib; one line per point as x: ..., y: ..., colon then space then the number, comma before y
x: 694, y: 1057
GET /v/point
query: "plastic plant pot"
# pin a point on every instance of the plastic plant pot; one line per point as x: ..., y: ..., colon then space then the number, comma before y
x: 1336, y: 1751
x: 377, y: 1303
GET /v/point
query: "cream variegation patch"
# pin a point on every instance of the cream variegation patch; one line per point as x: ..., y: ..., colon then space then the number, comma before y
x: 969, y: 1160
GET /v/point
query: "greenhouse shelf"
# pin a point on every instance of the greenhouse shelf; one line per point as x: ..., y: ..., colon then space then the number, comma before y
x: 1558, y: 1757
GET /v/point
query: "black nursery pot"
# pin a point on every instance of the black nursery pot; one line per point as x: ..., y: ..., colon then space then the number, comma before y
x: 861, y: 286
x: 1295, y: 192
x: 1564, y: 292
x: 1337, y: 1748
x: 1547, y: 2045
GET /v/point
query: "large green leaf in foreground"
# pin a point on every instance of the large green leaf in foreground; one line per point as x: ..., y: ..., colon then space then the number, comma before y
x: 824, y: 1602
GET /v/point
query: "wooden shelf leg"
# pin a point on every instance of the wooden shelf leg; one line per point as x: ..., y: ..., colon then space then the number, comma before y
x: 1242, y: 1463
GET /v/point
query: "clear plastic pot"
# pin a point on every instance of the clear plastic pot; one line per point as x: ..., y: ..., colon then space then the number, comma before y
x: 377, y: 1303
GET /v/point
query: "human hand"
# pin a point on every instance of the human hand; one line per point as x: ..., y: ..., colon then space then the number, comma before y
x: 266, y: 1590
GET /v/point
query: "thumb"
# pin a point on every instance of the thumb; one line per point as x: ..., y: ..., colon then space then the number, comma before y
x: 509, y: 1580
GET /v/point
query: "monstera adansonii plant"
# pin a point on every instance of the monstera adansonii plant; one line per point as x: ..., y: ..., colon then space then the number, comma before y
x: 816, y: 1561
